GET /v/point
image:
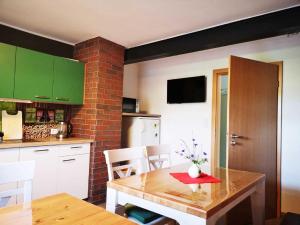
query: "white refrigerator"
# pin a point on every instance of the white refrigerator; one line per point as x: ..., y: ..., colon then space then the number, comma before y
x: 140, y: 131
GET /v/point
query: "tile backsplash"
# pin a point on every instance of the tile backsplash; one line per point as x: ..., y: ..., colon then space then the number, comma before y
x: 35, y: 130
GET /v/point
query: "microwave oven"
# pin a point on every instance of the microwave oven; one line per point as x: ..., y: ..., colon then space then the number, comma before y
x: 130, y: 105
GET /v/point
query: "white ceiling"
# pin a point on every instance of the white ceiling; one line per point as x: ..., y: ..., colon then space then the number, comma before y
x: 128, y: 22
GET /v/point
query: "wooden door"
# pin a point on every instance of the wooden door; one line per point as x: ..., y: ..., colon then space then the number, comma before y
x: 252, y: 127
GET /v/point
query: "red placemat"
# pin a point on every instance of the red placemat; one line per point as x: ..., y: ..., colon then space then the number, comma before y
x: 186, y: 179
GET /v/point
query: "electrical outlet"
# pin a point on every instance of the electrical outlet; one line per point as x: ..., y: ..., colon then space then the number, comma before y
x: 53, y: 131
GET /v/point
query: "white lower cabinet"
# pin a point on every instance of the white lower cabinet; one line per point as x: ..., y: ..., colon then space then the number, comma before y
x: 45, y: 180
x: 60, y: 168
x: 7, y: 156
x: 73, y: 173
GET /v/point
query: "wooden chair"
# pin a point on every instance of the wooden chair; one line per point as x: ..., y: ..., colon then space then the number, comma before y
x: 16, y: 172
x: 157, y: 155
x: 123, y: 162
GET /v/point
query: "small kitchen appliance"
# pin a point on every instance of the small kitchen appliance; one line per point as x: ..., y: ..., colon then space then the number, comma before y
x: 62, y: 130
x: 130, y: 105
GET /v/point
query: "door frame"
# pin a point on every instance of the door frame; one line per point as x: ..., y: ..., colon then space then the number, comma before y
x: 216, y: 117
x: 215, y: 134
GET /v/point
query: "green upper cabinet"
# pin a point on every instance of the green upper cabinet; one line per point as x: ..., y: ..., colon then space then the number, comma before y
x: 33, y: 76
x: 7, y: 70
x: 68, y: 81
x: 40, y: 77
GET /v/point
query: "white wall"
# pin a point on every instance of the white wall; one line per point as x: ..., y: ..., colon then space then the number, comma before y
x: 187, y: 120
x: 130, y: 81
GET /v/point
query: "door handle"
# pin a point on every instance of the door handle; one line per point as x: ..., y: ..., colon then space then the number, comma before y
x: 235, y: 136
x: 232, y: 142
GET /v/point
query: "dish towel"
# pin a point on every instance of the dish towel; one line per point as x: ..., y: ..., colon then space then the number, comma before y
x: 186, y: 179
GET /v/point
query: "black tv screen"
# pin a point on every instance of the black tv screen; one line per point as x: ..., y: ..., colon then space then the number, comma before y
x: 186, y: 90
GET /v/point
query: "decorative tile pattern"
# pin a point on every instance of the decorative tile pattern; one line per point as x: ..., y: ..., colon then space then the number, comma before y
x: 38, y: 130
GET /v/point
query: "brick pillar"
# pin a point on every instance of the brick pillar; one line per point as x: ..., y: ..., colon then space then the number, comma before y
x: 100, y: 116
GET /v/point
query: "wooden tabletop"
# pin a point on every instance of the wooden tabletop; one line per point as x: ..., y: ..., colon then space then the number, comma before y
x: 59, y: 209
x: 200, y: 200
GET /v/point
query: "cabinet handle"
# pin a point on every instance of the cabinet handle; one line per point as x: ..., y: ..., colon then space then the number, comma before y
x: 68, y: 160
x: 62, y: 99
x: 42, y: 97
x: 74, y: 147
x: 42, y: 150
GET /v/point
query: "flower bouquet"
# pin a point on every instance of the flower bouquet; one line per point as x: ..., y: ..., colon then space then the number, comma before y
x: 195, y: 155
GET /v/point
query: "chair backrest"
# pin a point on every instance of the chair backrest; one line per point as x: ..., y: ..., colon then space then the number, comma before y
x: 131, y: 158
x: 16, y: 172
x: 156, y: 155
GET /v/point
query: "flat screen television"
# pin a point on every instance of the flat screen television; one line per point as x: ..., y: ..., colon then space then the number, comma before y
x: 186, y: 90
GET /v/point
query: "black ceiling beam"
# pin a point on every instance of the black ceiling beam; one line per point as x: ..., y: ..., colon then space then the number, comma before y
x: 24, y: 39
x: 259, y: 27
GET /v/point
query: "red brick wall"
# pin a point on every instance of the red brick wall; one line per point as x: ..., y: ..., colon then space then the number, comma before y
x: 100, y: 116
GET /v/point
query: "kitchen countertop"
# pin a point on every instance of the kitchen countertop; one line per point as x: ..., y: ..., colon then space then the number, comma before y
x: 43, y: 142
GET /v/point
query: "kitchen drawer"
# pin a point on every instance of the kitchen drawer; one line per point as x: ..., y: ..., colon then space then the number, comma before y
x: 74, y: 149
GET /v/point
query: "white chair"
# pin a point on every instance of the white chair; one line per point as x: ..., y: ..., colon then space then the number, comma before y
x: 16, y: 172
x: 131, y: 158
x: 157, y: 155
x: 134, y: 157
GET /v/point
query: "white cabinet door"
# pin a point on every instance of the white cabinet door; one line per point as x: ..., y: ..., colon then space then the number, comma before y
x: 73, y: 175
x: 44, y: 181
x: 6, y: 156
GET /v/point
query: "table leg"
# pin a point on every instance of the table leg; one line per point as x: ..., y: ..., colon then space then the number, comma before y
x: 258, y: 204
x: 111, y: 200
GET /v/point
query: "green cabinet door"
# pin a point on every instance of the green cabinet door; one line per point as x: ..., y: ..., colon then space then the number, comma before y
x: 68, y: 81
x: 34, y: 75
x: 7, y: 70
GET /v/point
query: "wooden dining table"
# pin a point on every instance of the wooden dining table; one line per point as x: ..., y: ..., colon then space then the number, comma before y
x: 61, y: 209
x: 190, y: 204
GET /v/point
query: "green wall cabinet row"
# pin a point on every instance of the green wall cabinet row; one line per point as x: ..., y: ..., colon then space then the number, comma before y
x: 39, y: 77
